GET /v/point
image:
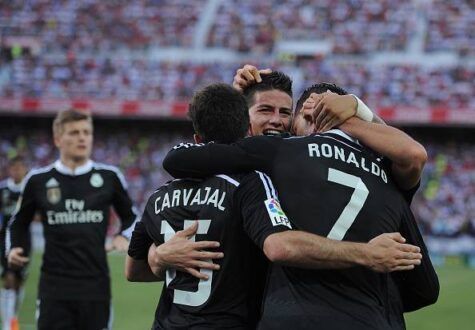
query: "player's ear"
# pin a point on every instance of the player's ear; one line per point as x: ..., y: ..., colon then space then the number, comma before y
x: 56, y: 140
x: 249, y: 130
x: 198, y: 139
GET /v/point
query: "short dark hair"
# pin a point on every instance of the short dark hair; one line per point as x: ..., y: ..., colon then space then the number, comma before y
x: 68, y: 116
x: 274, y: 80
x: 318, y: 89
x: 219, y: 113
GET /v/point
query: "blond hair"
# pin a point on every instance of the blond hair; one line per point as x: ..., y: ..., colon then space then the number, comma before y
x: 68, y: 116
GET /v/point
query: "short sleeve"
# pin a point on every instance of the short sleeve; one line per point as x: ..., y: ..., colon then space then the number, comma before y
x: 260, y: 208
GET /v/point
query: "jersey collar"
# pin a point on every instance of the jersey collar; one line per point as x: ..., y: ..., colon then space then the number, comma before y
x: 344, y: 135
x: 15, y: 187
x: 83, y: 169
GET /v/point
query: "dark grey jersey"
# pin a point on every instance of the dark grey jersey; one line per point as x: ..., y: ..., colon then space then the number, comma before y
x: 240, y: 212
x: 74, y: 209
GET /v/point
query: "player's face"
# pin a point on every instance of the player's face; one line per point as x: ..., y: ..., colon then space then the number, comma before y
x: 75, y: 141
x: 271, y: 113
x: 17, y: 171
x: 302, y: 126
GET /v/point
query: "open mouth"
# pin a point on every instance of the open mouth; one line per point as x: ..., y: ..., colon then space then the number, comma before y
x: 272, y: 132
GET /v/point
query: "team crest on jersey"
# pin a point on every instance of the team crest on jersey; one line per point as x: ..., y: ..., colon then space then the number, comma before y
x: 276, y: 214
x: 53, y: 193
x: 96, y: 180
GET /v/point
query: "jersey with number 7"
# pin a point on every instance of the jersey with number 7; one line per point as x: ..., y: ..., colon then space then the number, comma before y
x: 332, y: 186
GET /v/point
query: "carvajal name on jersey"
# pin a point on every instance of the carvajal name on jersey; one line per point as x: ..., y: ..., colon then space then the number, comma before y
x: 189, y: 197
x: 349, y: 157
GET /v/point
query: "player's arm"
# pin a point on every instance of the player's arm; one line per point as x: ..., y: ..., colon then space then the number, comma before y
x: 419, y: 287
x: 407, y: 156
x: 18, y: 226
x: 329, y: 110
x: 386, y: 253
x: 126, y: 210
x: 204, y: 160
x: 267, y: 225
x: 137, y: 268
x: 185, y: 255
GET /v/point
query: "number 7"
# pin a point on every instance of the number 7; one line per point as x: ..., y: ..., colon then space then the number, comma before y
x: 354, y: 206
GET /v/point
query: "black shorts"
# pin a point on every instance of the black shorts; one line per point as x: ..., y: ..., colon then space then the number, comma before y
x: 73, y: 314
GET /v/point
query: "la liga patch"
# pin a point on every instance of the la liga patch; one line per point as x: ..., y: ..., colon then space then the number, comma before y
x: 276, y: 214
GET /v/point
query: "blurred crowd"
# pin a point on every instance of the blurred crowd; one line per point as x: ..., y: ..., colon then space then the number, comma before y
x: 101, y: 26
x: 84, y: 47
x: 444, y: 205
x: 352, y: 26
x: 379, y: 85
x: 451, y: 26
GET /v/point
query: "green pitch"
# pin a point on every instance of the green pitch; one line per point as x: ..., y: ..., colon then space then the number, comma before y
x: 134, y: 303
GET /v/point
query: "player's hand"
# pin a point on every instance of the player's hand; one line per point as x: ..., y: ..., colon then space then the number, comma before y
x: 329, y: 109
x: 185, y: 255
x: 16, y: 259
x: 388, y: 252
x: 119, y: 243
x: 248, y: 75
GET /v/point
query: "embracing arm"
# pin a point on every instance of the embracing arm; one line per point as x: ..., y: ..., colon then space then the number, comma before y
x: 198, y: 160
x: 385, y: 253
x: 408, y: 157
x: 136, y: 265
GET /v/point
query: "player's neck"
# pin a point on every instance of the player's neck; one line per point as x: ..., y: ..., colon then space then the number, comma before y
x: 72, y: 163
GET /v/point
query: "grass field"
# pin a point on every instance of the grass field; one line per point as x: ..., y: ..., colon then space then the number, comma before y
x: 134, y: 303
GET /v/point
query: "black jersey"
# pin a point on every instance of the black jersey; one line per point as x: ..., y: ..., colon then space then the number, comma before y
x: 331, y: 186
x: 240, y: 212
x: 74, y: 209
x: 9, y: 194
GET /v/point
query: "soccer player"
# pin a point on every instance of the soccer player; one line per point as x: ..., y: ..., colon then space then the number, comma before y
x: 73, y: 196
x: 12, y: 278
x: 242, y: 212
x: 351, y: 191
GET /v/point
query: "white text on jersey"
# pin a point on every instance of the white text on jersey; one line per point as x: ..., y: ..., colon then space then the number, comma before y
x: 349, y: 157
x: 189, y: 197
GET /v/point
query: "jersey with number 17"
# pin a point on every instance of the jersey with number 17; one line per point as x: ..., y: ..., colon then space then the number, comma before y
x: 240, y: 212
x: 329, y: 185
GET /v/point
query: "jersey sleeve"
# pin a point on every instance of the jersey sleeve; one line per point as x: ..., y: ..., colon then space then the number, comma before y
x: 418, y: 287
x: 152, y: 224
x: 203, y: 160
x: 19, y: 224
x: 140, y: 242
x: 409, y: 194
x: 260, y: 208
x: 123, y: 205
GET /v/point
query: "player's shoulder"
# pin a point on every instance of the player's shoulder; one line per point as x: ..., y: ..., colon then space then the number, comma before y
x: 258, y: 181
x: 97, y: 166
x: 109, y: 171
x: 38, y: 173
x: 4, y: 184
